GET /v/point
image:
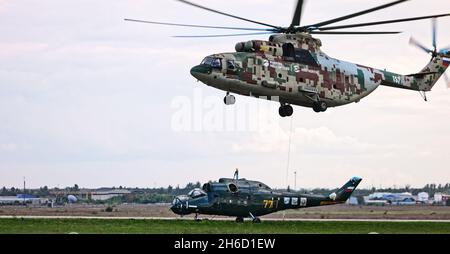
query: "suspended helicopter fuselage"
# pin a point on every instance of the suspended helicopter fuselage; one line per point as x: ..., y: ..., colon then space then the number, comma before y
x: 292, y: 69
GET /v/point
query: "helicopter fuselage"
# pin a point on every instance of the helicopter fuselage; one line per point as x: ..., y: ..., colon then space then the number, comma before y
x: 294, y: 70
x: 246, y: 198
x: 337, y: 82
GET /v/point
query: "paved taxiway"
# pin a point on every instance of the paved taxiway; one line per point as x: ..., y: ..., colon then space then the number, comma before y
x: 212, y: 219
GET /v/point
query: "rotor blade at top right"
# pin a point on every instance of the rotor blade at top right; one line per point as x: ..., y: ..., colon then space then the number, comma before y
x: 331, y: 21
x: 353, y: 32
x: 382, y: 22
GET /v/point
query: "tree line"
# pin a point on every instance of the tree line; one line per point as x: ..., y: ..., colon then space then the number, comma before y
x: 156, y: 195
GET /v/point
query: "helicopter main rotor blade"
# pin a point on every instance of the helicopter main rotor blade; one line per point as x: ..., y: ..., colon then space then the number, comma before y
x: 381, y: 22
x: 351, y: 32
x: 331, y: 21
x: 198, y: 26
x: 297, y: 14
x: 434, y: 31
x: 218, y: 35
x: 226, y: 14
x: 414, y: 42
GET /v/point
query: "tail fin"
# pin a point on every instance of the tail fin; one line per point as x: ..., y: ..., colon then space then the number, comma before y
x: 429, y: 76
x: 345, y: 191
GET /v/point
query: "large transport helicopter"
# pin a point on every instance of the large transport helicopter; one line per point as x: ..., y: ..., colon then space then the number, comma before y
x: 291, y: 67
x: 242, y: 198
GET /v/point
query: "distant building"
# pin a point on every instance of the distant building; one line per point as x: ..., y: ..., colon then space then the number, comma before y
x: 87, y: 194
x: 22, y: 199
x: 441, y: 198
x: 352, y: 201
x: 108, y: 194
x: 384, y: 198
x: 380, y: 202
x: 423, y: 197
x: 437, y: 197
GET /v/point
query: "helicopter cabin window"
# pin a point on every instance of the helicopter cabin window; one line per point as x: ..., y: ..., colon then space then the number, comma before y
x: 303, y: 56
x: 230, y: 65
x: 206, y: 187
x: 196, y: 193
x: 288, y: 52
x: 214, y: 62
x: 232, y: 187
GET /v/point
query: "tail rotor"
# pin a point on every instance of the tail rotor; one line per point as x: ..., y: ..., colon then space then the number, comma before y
x: 434, y: 52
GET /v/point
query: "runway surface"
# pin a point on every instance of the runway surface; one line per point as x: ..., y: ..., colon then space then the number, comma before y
x: 214, y: 219
x: 157, y: 211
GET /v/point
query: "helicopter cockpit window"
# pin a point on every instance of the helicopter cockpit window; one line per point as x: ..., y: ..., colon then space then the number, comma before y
x: 288, y: 52
x: 207, y: 61
x: 216, y: 63
x: 213, y: 62
x: 303, y: 56
x: 230, y: 65
x: 196, y: 193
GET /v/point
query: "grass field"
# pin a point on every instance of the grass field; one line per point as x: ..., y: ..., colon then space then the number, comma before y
x: 125, y: 226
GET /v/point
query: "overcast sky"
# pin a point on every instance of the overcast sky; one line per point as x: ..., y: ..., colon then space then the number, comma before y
x: 90, y: 99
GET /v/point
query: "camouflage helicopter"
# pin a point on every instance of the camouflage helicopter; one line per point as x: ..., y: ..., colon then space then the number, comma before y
x: 292, y: 69
x: 242, y: 198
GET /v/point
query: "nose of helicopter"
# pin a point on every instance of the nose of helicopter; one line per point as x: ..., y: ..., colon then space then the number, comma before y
x: 199, y: 70
x: 175, y: 209
x: 179, y: 206
x: 176, y: 206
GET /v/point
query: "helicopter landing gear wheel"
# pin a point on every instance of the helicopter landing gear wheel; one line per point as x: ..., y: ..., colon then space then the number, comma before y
x: 229, y: 99
x: 256, y: 220
x: 239, y: 220
x: 320, y: 106
x: 285, y: 110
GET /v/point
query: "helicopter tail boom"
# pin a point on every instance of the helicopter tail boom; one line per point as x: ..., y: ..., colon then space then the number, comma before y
x: 422, y: 81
